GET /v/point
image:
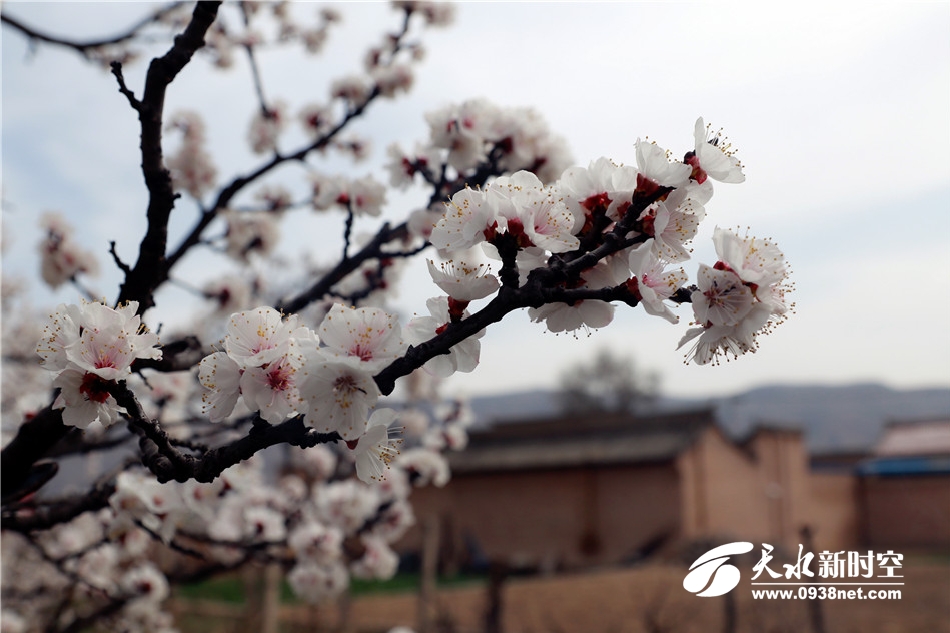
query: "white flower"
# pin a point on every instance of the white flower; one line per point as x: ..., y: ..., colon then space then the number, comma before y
x: 424, y: 467
x: 366, y: 196
x: 721, y: 298
x: 145, y: 582
x: 461, y: 281
x: 376, y: 450
x: 272, y: 389
x: 264, y: 524
x: 220, y: 375
x: 535, y: 211
x: 251, y: 232
x: 587, y: 313
x: 462, y: 356
x: 403, y: 167
x: 463, y: 130
x: 12, y: 622
x: 353, y: 88
x: 327, y: 190
x: 191, y: 167
x: 338, y: 396
x: 266, y: 126
x: 653, y: 283
x: 671, y: 230
x: 317, y: 583
x: 563, y: 317
x: 756, y: 261
x: 369, y: 338
x: 317, y: 461
x: 257, y: 337
x: 159, y: 507
x: 714, y: 157
x: 463, y: 224
x: 602, y: 188
x: 391, y: 80
x: 316, y: 119
x: 313, y: 541
x: 231, y: 293
x: 654, y: 164
x: 346, y: 504
x: 396, y: 516
x: 85, y: 399
x: 110, y: 340
x: 378, y: 562
x: 62, y: 330
x: 91, y: 346
x: 725, y: 340
x: 61, y: 257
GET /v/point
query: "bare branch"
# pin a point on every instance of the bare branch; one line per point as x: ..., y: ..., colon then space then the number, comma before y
x: 150, y: 269
x: 84, y: 48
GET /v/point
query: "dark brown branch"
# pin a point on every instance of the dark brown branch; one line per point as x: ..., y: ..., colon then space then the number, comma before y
x: 150, y: 270
x: 83, y: 623
x: 119, y: 77
x: 32, y: 442
x: 179, y: 355
x: 168, y: 463
x: 544, y: 285
x: 238, y: 184
x: 118, y: 261
x: 85, y: 47
x: 373, y: 249
x: 255, y: 71
x: 53, y: 513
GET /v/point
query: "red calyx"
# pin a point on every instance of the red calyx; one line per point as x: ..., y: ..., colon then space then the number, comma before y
x: 94, y: 388
x: 699, y: 174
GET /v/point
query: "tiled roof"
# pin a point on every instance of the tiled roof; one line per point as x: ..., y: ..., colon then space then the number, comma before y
x: 924, y: 437
x: 578, y: 441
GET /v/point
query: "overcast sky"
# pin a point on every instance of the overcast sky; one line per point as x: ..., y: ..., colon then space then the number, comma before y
x: 840, y: 112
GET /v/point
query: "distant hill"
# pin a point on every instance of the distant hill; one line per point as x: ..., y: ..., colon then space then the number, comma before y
x: 841, y: 418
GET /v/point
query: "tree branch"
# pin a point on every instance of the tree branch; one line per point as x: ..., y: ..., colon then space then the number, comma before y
x: 150, y: 269
x: 161, y: 456
x: 85, y: 47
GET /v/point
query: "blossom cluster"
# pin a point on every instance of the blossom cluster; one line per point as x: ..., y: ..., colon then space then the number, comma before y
x: 90, y: 347
x: 322, y: 526
x: 476, y: 132
x: 740, y: 296
x: 191, y: 166
x: 61, y: 258
x: 585, y: 204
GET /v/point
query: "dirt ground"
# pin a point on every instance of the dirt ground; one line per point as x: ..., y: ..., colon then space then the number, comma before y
x: 640, y: 600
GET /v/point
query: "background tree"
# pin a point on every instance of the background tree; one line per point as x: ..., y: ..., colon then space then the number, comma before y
x: 607, y: 384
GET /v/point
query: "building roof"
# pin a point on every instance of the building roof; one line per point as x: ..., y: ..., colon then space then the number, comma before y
x: 905, y: 466
x: 914, y: 438
x: 581, y: 440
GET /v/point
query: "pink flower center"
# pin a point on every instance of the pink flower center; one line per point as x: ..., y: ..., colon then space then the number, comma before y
x: 363, y: 353
x: 278, y: 377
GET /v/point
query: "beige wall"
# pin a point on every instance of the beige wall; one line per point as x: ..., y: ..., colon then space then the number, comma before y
x: 907, y: 512
x: 761, y: 491
x: 565, y: 517
x: 834, y: 515
x: 723, y: 494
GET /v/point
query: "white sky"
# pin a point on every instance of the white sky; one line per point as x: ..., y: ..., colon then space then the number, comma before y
x: 841, y: 113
